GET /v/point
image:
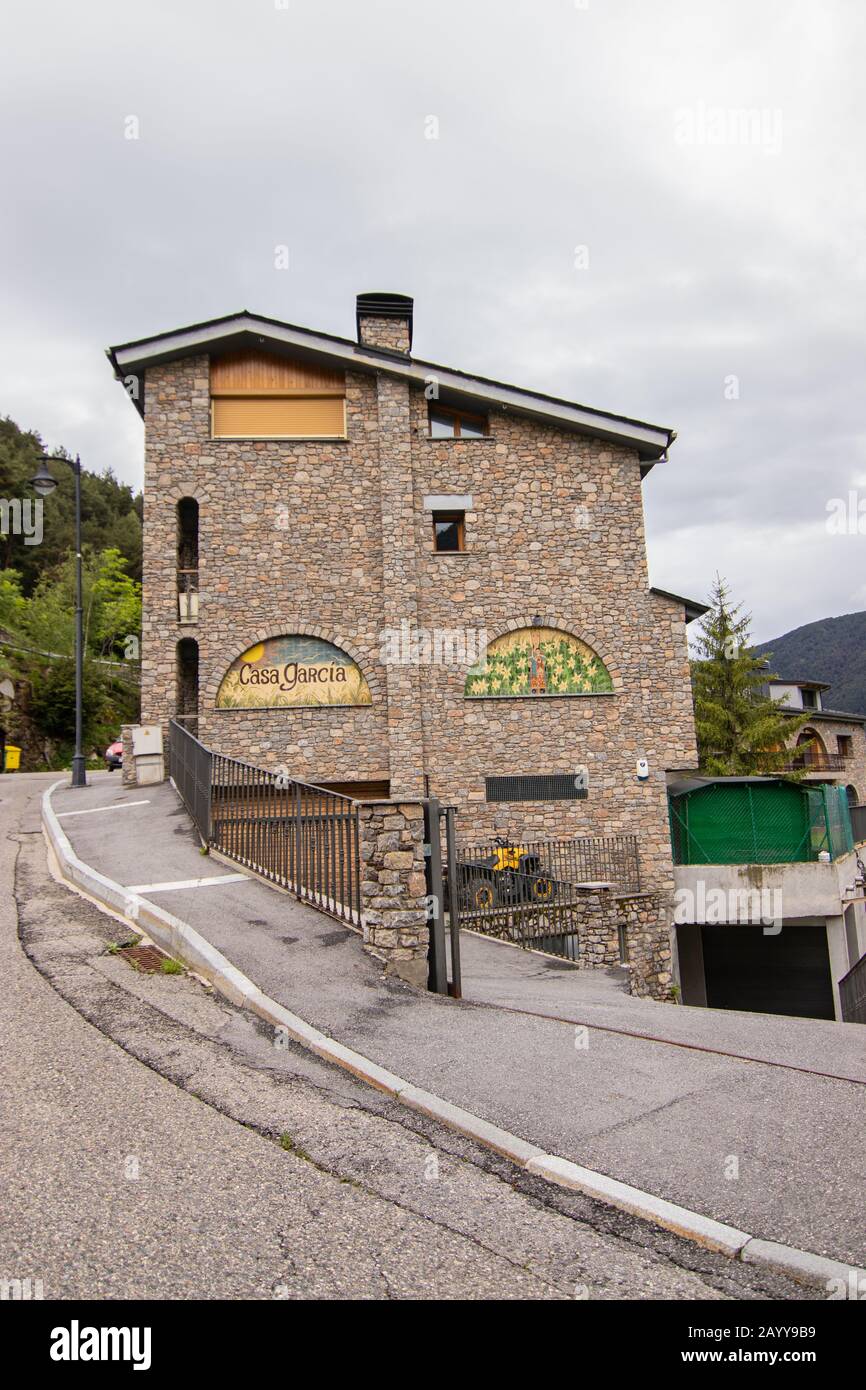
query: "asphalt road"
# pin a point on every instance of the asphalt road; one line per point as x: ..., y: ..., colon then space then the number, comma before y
x: 774, y: 1150
x: 153, y: 1143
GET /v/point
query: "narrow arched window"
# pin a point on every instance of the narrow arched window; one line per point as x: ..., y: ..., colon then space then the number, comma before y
x: 187, y: 560
x: 186, y: 695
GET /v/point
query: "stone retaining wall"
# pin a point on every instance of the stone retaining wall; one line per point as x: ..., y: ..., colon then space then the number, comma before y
x: 602, y: 913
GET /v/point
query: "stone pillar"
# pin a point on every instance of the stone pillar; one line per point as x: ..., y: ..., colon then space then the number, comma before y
x: 127, y: 770
x: 599, y: 929
x: 399, y: 580
x: 394, y: 888
x: 650, y: 957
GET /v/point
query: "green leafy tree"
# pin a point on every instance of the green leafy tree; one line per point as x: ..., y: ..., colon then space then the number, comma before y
x: 13, y: 604
x: 111, y: 602
x: 37, y: 603
x: 115, y: 606
x: 741, y: 731
x: 110, y: 511
x: 52, y: 701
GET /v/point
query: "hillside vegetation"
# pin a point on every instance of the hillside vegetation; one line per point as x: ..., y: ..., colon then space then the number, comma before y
x: 37, y: 603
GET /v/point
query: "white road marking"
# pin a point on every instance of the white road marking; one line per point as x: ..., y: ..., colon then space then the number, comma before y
x: 92, y: 810
x: 187, y: 883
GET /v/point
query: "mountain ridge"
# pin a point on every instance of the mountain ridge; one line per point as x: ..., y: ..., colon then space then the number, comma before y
x: 829, y: 649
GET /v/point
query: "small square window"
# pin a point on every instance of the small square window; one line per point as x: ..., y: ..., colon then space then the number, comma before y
x: 456, y: 424
x: 448, y: 532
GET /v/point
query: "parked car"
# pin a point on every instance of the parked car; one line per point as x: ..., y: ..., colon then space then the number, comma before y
x: 114, y: 755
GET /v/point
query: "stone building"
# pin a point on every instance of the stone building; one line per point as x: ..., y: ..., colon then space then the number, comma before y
x: 832, y: 746
x: 401, y: 579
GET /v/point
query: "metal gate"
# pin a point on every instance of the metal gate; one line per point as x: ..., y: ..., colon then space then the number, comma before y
x: 852, y: 993
x: 533, y: 893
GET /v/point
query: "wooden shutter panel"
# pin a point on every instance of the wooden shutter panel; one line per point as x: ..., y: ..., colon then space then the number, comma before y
x: 262, y: 374
x: 304, y: 417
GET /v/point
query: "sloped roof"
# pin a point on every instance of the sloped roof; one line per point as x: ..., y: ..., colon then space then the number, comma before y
x: 246, y: 329
x: 693, y: 606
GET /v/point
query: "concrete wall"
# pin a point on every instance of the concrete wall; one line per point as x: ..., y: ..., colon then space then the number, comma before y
x: 807, y: 893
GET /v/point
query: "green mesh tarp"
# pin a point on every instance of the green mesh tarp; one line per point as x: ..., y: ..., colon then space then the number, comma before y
x: 759, y: 823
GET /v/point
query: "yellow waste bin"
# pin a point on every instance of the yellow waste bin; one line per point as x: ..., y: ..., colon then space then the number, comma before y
x: 12, y: 761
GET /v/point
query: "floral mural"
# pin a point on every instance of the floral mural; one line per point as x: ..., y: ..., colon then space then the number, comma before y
x: 538, y: 661
x: 292, y: 672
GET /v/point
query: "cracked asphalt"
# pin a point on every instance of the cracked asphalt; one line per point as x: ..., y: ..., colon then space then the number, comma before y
x: 155, y: 1143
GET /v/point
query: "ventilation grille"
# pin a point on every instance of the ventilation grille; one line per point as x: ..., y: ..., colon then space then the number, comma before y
x: 552, y: 786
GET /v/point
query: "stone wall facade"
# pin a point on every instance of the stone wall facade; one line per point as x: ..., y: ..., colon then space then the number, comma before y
x: 331, y: 538
x: 394, y: 887
x: 828, y: 729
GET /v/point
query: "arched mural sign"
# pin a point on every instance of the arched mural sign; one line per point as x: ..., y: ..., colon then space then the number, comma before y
x: 538, y: 661
x: 292, y: 672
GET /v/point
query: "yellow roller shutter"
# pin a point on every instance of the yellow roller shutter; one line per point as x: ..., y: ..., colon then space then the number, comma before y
x: 283, y: 417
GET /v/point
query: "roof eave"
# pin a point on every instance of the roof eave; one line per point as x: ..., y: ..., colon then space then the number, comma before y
x: 834, y: 716
x: 802, y: 684
x: 694, y: 608
x: 131, y: 360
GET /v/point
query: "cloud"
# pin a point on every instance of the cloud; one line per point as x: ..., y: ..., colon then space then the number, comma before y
x: 707, y: 260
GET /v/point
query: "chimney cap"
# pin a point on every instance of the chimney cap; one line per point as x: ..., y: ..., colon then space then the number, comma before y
x: 382, y: 304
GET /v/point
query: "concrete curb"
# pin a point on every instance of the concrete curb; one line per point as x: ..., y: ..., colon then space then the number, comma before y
x: 177, y: 937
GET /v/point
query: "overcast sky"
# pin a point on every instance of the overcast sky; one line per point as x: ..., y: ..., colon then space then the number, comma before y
x: 594, y: 220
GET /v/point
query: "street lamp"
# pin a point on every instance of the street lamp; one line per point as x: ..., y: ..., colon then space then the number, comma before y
x: 45, y: 483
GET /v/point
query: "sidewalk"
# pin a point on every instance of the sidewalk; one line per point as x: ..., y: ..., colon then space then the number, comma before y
x: 656, y: 1110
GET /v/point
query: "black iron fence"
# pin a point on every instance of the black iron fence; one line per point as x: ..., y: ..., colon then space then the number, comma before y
x: 585, y: 859
x: 852, y: 993
x: 534, y: 911
x: 189, y: 765
x: 300, y: 837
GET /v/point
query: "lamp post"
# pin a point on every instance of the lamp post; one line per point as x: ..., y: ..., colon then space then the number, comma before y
x: 45, y: 483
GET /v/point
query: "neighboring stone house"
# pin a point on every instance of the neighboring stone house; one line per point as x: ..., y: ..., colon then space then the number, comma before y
x: 832, y: 746
x: 333, y: 532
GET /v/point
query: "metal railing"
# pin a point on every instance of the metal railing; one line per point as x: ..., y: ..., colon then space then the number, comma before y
x: 301, y: 837
x: 816, y: 762
x: 189, y: 765
x: 585, y: 859
x: 852, y: 993
x: 535, y: 912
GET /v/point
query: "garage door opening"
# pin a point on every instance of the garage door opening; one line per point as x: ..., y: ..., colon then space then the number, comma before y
x: 784, y: 974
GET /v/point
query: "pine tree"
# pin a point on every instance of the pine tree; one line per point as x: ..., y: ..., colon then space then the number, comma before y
x: 741, y: 731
